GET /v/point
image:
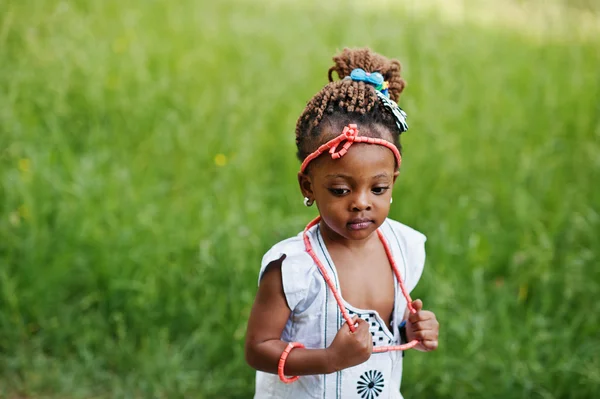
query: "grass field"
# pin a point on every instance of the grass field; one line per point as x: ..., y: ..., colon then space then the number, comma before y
x: 147, y: 163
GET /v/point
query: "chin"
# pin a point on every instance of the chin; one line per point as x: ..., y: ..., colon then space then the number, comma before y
x: 360, y: 237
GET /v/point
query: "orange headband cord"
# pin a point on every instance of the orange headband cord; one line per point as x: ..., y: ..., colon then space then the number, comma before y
x: 349, y: 136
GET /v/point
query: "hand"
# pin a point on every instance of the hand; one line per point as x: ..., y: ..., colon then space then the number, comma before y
x: 351, y: 348
x: 423, y: 326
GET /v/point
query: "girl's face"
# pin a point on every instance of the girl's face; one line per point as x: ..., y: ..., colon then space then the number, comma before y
x: 353, y: 192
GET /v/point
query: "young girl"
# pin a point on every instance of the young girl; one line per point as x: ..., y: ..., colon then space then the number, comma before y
x: 332, y: 305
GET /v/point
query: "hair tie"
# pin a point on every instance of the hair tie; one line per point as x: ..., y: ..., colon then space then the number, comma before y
x: 381, y: 86
x: 373, y: 78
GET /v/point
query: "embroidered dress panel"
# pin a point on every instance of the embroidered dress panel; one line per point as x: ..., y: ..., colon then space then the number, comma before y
x: 378, y: 329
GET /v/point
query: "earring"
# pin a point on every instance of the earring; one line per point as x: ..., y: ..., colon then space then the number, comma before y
x: 308, y: 201
x: 391, y: 200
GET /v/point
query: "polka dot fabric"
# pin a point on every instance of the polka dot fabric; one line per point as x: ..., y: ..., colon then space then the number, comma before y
x: 377, y: 330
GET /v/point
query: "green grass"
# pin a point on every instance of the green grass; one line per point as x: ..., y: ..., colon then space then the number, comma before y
x: 147, y: 163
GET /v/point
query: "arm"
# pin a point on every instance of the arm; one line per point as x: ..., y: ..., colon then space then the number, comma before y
x: 269, y: 315
x: 267, y: 320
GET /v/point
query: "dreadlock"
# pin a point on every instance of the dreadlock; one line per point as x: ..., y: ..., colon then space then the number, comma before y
x: 346, y: 101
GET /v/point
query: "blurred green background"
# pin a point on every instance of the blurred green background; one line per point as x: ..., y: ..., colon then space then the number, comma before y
x: 147, y: 162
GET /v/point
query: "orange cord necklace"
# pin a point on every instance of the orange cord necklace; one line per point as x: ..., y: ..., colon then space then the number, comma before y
x: 338, y: 297
x: 348, y: 137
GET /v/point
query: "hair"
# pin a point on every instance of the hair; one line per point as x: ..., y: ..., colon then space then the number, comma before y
x: 346, y: 101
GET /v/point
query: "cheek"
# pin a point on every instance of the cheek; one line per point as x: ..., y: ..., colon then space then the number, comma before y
x: 331, y: 205
x: 335, y: 221
x: 333, y: 209
x: 383, y: 202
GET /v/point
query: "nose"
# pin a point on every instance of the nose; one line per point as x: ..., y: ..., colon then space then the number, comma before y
x: 361, y: 202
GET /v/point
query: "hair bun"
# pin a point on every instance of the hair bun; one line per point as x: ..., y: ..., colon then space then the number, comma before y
x: 365, y: 58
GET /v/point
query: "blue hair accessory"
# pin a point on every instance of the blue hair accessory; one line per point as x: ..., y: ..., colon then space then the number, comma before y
x: 376, y: 80
x: 373, y: 78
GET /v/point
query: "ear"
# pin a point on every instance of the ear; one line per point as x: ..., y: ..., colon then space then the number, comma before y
x: 396, y: 173
x: 305, y: 183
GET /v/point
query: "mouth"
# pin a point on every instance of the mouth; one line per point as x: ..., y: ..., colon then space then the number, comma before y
x: 359, y: 224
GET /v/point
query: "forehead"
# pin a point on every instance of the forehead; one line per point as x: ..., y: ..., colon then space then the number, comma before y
x: 361, y: 160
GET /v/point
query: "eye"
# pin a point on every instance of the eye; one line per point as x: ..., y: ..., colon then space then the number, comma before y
x: 379, y: 190
x: 338, y: 192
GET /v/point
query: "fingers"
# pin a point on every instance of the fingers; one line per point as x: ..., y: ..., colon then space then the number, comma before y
x: 361, y: 322
x: 425, y: 324
x: 421, y: 315
x: 363, y: 334
x: 417, y: 304
x: 426, y: 332
x: 424, y: 327
x: 359, y: 326
x: 425, y: 335
x: 362, y: 328
x: 430, y: 345
x: 354, y: 319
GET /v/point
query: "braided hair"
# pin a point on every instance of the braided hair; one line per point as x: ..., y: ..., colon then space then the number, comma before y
x: 346, y: 101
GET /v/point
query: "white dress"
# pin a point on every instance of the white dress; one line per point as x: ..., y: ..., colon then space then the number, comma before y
x: 316, y: 318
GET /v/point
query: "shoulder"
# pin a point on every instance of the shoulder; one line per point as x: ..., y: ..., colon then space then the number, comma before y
x: 410, y: 243
x: 290, y: 246
x: 298, y: 270
x: 405, y: 233
x: 294, y: 251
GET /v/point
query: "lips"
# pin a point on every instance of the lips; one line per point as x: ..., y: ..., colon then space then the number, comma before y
x: 359, y: 224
